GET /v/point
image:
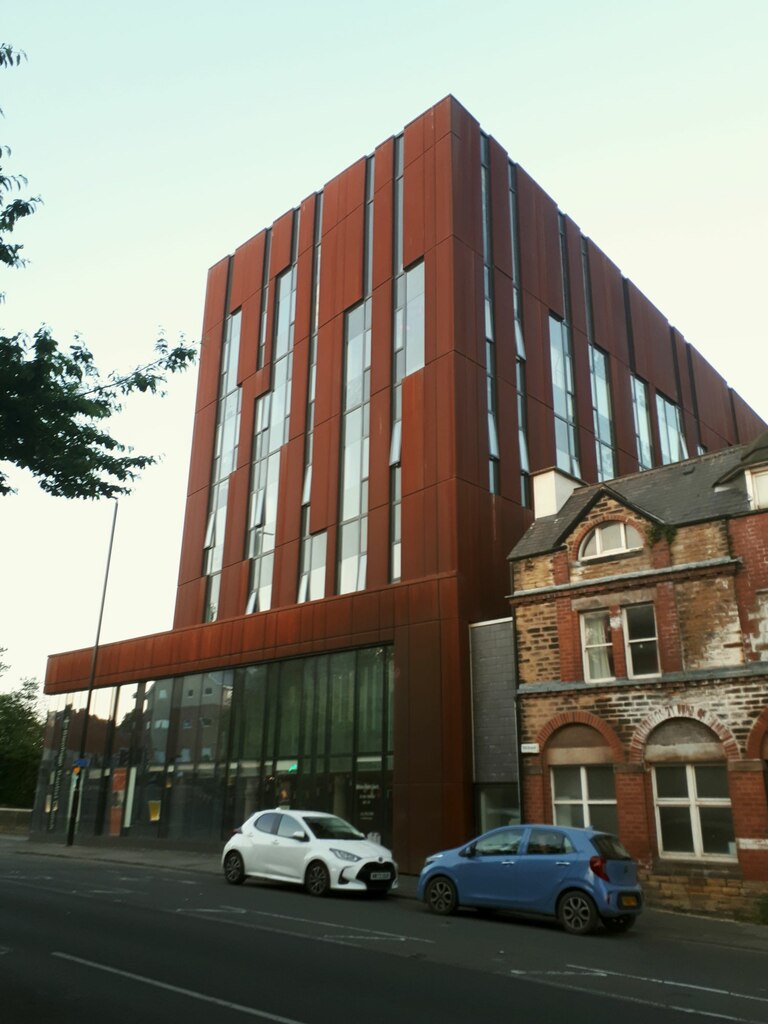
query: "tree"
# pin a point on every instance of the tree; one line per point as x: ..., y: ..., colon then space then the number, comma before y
x: 54, y: 403
x: 21, y: 744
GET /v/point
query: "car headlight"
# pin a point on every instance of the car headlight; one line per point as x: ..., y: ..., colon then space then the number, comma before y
x: 432, y: 858
x: 345, y: 855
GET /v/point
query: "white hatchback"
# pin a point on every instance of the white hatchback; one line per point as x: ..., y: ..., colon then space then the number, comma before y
x: 311, y: 848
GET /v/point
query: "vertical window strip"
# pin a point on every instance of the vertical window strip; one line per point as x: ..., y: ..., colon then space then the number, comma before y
x: 312, y: 556
x: 355, y: 432
x: 671, y: 434
x: 602, y: 411
x: 264, y: 302
x: 270, y: 433
x: 224, y: 460
x: 407, y: 357
x: 642, y: 419
x: 520, y: 375
x: 563, y: 390
x: 490, y: 353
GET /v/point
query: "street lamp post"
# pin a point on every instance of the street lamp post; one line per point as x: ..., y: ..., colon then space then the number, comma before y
x: 77, y: 778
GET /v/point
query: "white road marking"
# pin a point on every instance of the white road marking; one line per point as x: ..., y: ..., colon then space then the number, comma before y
x: 348, y: 927
x: 180, y: 991
x: 674, y: 984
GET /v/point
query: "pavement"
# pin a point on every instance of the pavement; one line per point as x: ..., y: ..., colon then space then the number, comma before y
x: 667, y: 925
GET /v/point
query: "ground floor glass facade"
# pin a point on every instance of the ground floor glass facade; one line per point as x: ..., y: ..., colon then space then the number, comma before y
x: 187, y: 759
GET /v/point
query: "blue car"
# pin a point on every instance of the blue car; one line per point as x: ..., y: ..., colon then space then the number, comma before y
x: 580, y: 876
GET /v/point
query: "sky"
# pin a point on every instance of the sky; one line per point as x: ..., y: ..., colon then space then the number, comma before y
x: 162, y: 135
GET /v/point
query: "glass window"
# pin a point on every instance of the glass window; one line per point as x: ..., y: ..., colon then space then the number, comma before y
x: 597, y: 646
x: 610, y: 538
x: 671, y: 434
x: 548, y: 841
x: 268, y: 822
x: 602, y: 416
x: 505, y: 841
x: 584, y: 796
x: 563, y: 398
x: 693, y: 811
x: 640, y: 639
x: 642, y: 419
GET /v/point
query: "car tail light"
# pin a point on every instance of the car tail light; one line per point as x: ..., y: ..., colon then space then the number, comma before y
x: 597, y: 864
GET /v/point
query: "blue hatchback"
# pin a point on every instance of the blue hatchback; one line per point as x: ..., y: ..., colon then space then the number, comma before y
x: 577, y: 875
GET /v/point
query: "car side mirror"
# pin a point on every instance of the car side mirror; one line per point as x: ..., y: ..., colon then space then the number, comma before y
x: 468, y: 851
x: 300, y: 836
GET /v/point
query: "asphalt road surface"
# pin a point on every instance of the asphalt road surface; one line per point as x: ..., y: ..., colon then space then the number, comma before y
x: 82, y: 942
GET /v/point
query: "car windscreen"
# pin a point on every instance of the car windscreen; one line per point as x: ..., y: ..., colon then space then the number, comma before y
x: 609, y: 847
x: 332, y: 828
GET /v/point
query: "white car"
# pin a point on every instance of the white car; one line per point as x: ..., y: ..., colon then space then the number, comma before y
x: 311, y: 848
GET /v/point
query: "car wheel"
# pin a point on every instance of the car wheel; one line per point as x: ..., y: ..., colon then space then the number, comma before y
x: 317, y: 881
x: 234, y: 871
x: 440, y: 895
x: 619, y: 924
x: 576, y: 913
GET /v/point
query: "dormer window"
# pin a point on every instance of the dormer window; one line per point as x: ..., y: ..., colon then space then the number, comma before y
x: 757, y: 483
x: 612, y: 538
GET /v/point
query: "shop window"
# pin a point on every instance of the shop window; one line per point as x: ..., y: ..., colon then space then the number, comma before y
x: 612, y: 538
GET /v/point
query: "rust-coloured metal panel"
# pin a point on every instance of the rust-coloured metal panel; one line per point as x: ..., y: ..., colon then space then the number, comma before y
x: 202, y: 449
x: 215, y: 295
x: 381, y: 339
x: 414, y: 142
x: 379, y: 440
x: 280, y: 249
x: 237, y: 515
x: 383, y: 214
x: 412, y: 562
x: 189, y: 604
x: 652, y: 344
x: 307, y: 223
x: 748, y: 423
x: 468, y: 298
x: 608, y: 315
x: 191, y: 563
x: 467, y: 202
x: 471, y: 414
x: 384, y: 165
x: 330, y: 361
x: 414, y: 214
x: 289, y: 500
x: 378, y: 546
x: 302, y: 325
x: 414, y: 432
x: 351, y: 281
x: 352, y: 193
x: 445, y: 420
x: 575, y: 277
x: 540, y: 269
x: 680, y: 348
x: 325, y: 477
x: 714, y: 403
x: 247, y: 270
x: 210, y: 362
x: 501, y: 229
x: 233, y: 595
x: 250, y: 322
x: 425, y: 670
x: 623, y: 418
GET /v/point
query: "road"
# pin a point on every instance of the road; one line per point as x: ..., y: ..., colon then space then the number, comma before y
x: 84, y: 940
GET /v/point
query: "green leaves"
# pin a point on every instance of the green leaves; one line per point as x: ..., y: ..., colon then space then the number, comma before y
x: 52, y: 406
x: 21, y: 742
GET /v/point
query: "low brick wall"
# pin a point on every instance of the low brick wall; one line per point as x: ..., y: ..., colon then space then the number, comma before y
x: 709, y: 895
x: 15, y: 820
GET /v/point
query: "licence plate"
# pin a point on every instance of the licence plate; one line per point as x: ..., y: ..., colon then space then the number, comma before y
x: 628, y: 901
x: 380, y: 876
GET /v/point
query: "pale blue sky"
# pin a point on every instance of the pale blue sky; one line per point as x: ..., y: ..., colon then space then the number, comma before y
x: 163, y: 134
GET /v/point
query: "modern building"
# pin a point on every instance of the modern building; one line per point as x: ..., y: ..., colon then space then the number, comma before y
x: 383, y: 369
x: 641, y: 626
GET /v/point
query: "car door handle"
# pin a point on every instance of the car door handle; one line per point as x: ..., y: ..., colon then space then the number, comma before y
x: 563, y: 863
x: 507, y: 862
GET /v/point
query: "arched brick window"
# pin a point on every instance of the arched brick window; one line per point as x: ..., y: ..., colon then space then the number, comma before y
x: 690, y: 791
x: 613, y: 537
x: 580, y: 765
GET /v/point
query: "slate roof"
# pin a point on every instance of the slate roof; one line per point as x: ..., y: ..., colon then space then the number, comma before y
x: 707, y: 487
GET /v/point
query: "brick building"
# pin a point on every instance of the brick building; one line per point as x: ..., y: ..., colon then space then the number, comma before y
x: 383, y: 368
x: 641, y: 614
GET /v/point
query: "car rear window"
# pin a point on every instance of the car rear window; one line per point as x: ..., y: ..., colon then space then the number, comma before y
x: 610, y: 847
x: 332, y: 828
